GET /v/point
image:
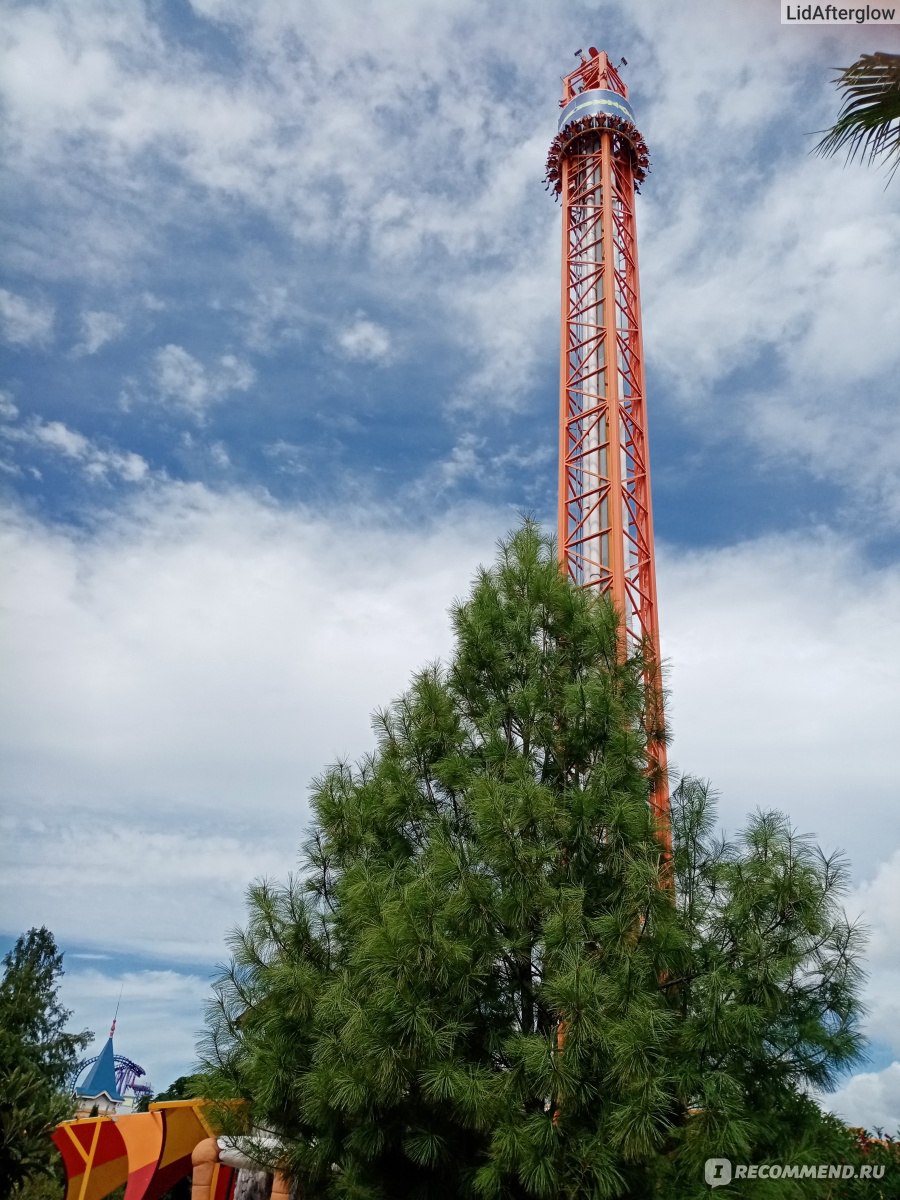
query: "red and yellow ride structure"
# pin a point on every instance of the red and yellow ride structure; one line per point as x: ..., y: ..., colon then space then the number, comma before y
x: 145, y: 1152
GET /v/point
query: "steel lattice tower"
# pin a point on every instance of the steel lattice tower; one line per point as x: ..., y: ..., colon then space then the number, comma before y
x: 605, y: 525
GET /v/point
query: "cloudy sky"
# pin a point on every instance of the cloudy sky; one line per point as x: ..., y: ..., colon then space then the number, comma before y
x: 280, y: 319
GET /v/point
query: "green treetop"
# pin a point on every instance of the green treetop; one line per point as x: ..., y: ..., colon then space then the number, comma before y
x: 476, y: 985
x: 37, y: 1059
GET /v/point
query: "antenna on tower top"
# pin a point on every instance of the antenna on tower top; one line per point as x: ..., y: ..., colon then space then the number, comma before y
x: 116, y: 1017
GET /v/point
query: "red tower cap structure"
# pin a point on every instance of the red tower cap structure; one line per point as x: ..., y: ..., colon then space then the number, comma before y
x: 605, y: 522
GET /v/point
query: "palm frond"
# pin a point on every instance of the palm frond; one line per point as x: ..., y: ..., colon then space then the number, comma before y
x: 868, y: 124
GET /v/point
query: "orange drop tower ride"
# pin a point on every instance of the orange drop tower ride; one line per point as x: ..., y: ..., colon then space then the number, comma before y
x: 605, y: 520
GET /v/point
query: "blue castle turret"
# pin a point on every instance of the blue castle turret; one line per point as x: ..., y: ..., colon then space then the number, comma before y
x: 111, y: 1082
x: 100, y: 1082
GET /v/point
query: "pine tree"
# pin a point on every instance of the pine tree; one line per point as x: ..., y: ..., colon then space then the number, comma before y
x: 476, y: 984
x: 37, y: 1059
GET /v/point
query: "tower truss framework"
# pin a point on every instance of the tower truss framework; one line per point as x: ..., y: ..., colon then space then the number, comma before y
x: 605, y: 519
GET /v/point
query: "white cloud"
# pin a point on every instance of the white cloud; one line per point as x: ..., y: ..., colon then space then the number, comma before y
x: 203, y: 651
x: 464, y: 462
x: 272, y: 313
x: 25, y: 322
x: 96, y: 462
x: 184, y: 382
x: 509, y: 315
x: 219, y: 455
x: 365, y: 341
x: 97, y: 330
x: 140, y: 851
x: 8, y: 410
x: 783, y: 656
x: 801, y: 304
x: 471, y: 458
x: 288, y: 457
x: 57, y: 436
x: 770, y: 305
x: 876, y: 903
x: 870, y: 1099
x: 181, y: 378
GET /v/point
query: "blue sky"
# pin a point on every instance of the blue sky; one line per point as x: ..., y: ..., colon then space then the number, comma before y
x: 280, y: 318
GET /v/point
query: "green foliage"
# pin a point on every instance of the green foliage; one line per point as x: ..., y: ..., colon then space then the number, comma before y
x: 868, y: 124
x: 49, y: 1186
x: 476, y: 985
x: 185, y: 1087
x: 37, y: 1060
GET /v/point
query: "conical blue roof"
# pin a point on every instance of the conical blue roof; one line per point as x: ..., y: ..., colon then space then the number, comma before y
x: 102, y: 1075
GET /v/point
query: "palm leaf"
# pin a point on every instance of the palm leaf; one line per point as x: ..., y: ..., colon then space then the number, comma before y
x: 868, y: 125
